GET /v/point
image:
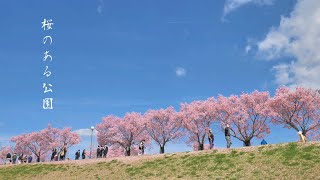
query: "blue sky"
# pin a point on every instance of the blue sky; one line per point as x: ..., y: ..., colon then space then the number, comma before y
x: 116, y: 56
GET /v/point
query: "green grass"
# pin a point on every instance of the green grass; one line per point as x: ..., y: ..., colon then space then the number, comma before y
x: 291, y: 161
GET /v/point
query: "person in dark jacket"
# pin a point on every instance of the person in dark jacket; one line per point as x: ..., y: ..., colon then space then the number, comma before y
x: 8, y: 158
x: 29, y: 159
x: 101, y: 151
x: 84, y: 153
x: 105, y: 151
x: 77, y: 155
x: 141, y: 147
x: 54, y: 152
x: 228, y: 135
x: 211, y: 139
x: 98, y: 151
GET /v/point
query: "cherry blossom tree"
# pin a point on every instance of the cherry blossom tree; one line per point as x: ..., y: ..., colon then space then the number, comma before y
x: 40, y: 143
x: 197, y: 117
x: 35, y: 142
x: 104, y: 133
x: 68, y: 138
x: 298, y: 109
x: 51, y: 136
x: 163, y: 126
x: 20, y: 149
x: 122, y: 132
x: 247, y: 115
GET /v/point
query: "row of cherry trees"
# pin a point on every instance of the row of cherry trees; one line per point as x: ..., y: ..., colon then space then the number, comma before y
x: 42, y: 142
x: 248, y: 115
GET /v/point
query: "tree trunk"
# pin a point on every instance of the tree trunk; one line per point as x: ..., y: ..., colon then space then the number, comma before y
x: 247, y: 143
x: 304, y: 132
x: 161, y: 149
x: 200, y: 147
x: 127, y: 152
x: 38, y: 158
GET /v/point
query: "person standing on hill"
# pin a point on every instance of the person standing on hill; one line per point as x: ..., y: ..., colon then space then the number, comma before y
x: 141, y: 147
x: 228, y: 135
x: 77, y: 155
x: 14, y: 158
x: 211, y: 139
x: 105, y: 151
x: 25, y: 159
x: 101, y: 151
x: 29, y: 159
x: 62, y: 154
x: 98, y: 151
x: 302, y: 137
x: 65, y: 151
x: 8, y: 158
x: 83, y: 154
x: 54, y: 152
x: 21, y: 158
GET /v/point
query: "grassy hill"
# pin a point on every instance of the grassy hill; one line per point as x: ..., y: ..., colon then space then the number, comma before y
x: 283, y: 161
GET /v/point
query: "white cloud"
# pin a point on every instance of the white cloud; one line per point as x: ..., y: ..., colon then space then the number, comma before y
x: 297, y: 37
x: 181, y: 72
x: 248, y: 48
x: 231, y: 5
x: 100, y: 7
x: 85, y: 132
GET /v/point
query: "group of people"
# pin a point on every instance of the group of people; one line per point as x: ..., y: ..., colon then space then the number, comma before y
x: 83, y: 154
x: 302, y: 138
x: 61, y: 155
x: 227, y: 135
x: 17, y: 159
x: 102, y: 151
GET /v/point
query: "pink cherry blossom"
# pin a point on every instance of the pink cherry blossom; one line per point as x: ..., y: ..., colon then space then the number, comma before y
x: 197, y: 117
x: 163, y: 126
x: 122, y: 132
x: 40, y: 143
x: 247, y: 115
x: 298, y: 109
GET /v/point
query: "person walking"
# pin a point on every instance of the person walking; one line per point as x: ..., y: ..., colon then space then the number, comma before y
x: 77, y: 155
x: 84, y: 154
x: 211, y: 139
x: 228, y: 135
x: 141, y: 147
x: 105, y: 151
